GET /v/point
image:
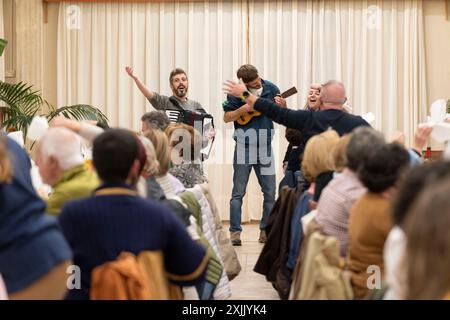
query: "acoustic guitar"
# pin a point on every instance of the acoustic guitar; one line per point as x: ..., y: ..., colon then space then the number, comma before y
x: 246, y: 117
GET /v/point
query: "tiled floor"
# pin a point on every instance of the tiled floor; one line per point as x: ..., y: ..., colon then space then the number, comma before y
x: 250, y: 285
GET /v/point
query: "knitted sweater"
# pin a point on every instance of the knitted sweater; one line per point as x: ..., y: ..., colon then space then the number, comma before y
x: 114, y: 220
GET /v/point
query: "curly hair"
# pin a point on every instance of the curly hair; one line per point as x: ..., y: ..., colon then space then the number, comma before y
x: 177, y: 132
x: 156, y: 120
x: 383, y: 167
x: 294, y: 136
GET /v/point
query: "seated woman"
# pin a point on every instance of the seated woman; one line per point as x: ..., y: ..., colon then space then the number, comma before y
x: 371, y: 218
x: 318, y: 162
x: 188, y: 167
x: 34, y: 255
x: 337, y: 199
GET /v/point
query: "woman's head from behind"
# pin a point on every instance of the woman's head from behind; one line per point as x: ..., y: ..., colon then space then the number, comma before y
x: 161, y: 146
x: 383, y: 167
x: 428, y: 244
x: 318, y: 157
x: 186, y: 139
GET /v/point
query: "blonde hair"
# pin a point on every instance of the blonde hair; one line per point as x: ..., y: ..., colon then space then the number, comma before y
x: 151, y: 167
x: 5, y: 163
x: 340, y: 153
x: 317, y: 157
x: 161, y: 146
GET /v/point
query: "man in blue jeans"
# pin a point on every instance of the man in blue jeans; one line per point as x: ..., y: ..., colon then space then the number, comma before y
x: 253, y: 149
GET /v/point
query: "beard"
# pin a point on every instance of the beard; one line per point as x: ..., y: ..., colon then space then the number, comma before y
x: 181, y: 92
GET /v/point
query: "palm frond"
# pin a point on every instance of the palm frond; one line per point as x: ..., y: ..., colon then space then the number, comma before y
x: 79, y: 112
x: 23, y: 104
x: 21, y: 97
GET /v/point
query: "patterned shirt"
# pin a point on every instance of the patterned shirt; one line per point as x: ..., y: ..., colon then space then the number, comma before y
x: 333, y: 209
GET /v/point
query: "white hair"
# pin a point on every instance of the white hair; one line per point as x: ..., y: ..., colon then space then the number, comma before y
x: 62, y: 144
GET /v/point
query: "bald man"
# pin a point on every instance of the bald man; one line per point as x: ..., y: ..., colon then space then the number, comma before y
x: 310, y: 123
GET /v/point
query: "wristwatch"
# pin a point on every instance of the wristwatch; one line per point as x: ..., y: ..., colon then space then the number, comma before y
x: 245, y: 95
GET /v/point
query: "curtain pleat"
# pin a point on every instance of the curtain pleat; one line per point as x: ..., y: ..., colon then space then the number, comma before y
x: 376, y: 47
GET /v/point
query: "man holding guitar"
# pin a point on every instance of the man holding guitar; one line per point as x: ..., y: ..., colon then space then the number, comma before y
x: 253, y: 135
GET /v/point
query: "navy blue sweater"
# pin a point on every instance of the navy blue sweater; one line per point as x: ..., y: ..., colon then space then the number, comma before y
x: 114, y: 220
x: 310, y: 122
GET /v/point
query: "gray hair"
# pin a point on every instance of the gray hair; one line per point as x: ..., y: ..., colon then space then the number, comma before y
x: 62, y: 144
x: 156, y: 120
x: 362, y: 141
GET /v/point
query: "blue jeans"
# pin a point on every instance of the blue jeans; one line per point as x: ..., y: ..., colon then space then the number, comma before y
x: 265, y: 172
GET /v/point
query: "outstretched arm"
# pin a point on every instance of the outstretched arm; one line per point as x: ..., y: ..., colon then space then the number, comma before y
x: 145, y: 91
x: 295, y: 119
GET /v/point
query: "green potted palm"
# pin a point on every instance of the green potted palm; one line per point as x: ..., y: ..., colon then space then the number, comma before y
x: 23, y: 104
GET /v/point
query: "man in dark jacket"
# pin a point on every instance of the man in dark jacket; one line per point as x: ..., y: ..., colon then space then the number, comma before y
x: 331, y: 114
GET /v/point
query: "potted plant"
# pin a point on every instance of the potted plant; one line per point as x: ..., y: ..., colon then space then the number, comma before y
x: 3, y: 44
x: 23, y: 103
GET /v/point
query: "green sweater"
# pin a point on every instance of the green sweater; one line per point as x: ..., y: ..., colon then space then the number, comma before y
x: 75, y: 183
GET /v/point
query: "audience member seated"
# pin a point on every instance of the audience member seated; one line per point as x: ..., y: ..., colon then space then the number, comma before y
x: 417, y: 180
x: 34, y: 255
x: 61, y: 166
x: 428, y: 244
x: 167, y: 182
x: 155, y: 120
x: 187, y: 167
x: 370, y: 218
x: 115, y: 219
x: 337, y: 199
x: 318, y: 162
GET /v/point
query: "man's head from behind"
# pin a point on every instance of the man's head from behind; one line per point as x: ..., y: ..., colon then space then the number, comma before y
x: 332, y: 95
x: 58, y: 151
x: 155, y: 120
x: 115, y: 156
x: 179, y: 83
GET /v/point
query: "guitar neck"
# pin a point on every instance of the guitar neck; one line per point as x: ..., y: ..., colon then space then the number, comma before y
x: 289, y: 92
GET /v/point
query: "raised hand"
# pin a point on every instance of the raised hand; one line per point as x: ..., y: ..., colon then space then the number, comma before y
x: 233, y: 88
x: 130, y: 72
x: 421, y: 137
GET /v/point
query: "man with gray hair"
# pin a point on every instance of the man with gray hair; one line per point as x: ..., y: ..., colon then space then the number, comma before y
x: 61, y: 166
x: 310, y: 123
x: 155, y: 120
x: 337, y: 199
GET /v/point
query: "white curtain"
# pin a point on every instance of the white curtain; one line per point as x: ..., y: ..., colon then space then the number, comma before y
x: 375, y: 47
x: 2, y: 58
